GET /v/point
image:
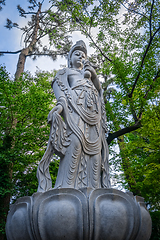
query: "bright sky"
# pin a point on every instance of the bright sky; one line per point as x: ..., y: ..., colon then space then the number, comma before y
x: 11, y: 40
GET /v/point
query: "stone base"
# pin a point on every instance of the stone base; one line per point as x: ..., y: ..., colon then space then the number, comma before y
x: 83, y: 214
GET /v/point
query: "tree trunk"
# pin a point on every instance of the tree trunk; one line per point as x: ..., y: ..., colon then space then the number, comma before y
x: 29, y: 49
x: 21, y: 63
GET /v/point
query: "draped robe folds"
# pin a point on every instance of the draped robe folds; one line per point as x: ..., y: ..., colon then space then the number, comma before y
x: 85, y: 164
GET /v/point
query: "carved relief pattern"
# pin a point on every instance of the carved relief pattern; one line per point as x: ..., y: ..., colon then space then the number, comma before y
x: 57, y: 143
x: 82, y: 173
x: 73, y: 166
x: 95, y: 180
x: 59, y: 138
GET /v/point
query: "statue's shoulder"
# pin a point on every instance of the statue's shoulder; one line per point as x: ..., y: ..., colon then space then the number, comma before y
x: 62, y: 71
x: 59, y: 74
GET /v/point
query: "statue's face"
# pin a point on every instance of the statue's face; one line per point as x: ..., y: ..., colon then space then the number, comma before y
x: 77, y: 59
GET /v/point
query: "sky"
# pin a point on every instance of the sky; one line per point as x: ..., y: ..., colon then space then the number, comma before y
x: 11, y: 41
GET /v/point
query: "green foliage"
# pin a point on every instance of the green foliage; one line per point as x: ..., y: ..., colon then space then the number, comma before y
x: 143, y: 150
x: 140, y: 163
x: 24, y: 133
x: 155, y: 215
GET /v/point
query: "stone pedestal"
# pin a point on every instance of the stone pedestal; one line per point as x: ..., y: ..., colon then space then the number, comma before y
x: 83, y: 214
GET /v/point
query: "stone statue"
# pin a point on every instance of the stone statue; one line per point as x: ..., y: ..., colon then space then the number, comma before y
x: 78, y: 138
x: 81, y: 206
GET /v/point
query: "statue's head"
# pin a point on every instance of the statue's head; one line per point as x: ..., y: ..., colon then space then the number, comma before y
x: 80, y: 45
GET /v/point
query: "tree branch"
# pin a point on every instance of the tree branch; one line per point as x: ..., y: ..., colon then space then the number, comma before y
x: 86, y: 32
x: 95, y: 44
x: 146, y: 95
x: 99, y: 48
x: 150, y: 20
x: 142, y: 63
x: 151, y: 86
x: 46, y: 54
x: 25, y: 51
x: 10, y: 52
x: 130, y: 99
x: 45, y: 13
x: 95, y: 13
x: 123, y: 131
x: 29, y: 13
x: 156, y: 31
x: 132, y: 10
x: 33, y: 12
x: 133, y: 111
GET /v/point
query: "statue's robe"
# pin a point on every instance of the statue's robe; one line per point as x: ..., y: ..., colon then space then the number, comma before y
x: 84, y: 162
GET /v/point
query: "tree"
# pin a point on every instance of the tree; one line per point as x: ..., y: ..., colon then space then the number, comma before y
x: 142, y: 148
x: 22, y: 143
x: 51, y: 23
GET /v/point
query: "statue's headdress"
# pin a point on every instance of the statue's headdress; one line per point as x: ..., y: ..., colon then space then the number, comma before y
x: 80, y: 45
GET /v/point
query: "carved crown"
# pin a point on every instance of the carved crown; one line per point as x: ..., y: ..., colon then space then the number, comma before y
x: 80, y: 45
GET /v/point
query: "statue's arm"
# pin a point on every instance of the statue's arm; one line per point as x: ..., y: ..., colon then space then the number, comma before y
x: 58, y: 94
x: 58, y: 108
x: 96, y: 83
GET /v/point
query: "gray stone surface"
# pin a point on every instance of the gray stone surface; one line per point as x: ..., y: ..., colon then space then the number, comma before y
x: 82, y: 214
x: 78, y: 126
x: 82, y: 206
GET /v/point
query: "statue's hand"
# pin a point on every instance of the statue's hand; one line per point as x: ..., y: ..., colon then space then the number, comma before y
x: 88, y: 67
x: 57, y: 109
x: 94, y: 78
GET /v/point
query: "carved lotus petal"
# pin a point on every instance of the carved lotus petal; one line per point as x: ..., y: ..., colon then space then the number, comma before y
x: 84, y: 214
